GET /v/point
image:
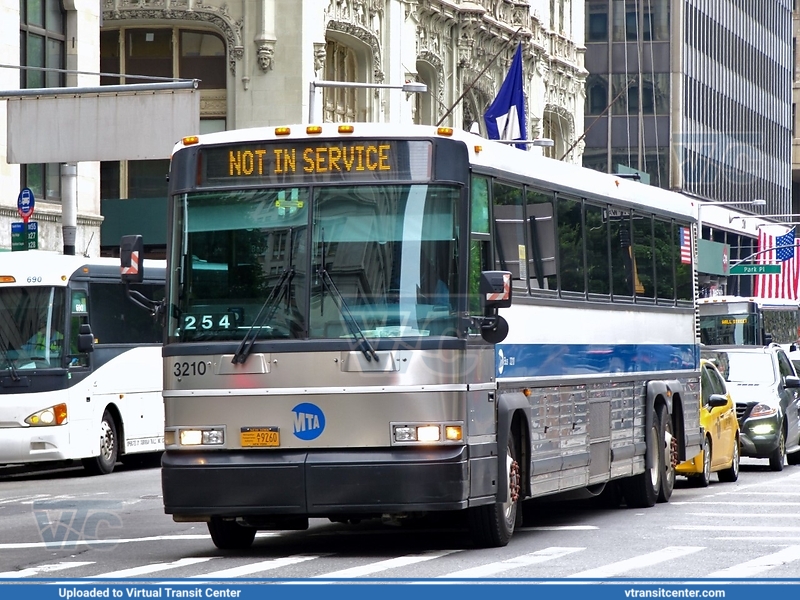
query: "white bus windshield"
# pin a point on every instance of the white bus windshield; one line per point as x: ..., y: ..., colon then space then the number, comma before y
x: 32, y: 327
x: 391, y: 251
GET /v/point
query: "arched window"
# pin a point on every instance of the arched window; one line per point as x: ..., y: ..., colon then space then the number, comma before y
x: 161, y: 52
x: 341, y: 64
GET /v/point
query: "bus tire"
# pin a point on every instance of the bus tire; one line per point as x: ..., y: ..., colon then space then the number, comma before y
x: 492, y: 525
x: 229, y: 535
x: 103, y: 463
x: 641, y: 491
x: 667, y: 445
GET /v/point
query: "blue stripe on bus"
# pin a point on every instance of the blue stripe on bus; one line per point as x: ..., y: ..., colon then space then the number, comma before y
x: 549, y: 360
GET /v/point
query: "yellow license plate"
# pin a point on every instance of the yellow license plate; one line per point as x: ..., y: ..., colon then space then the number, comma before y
x: 260, y: 437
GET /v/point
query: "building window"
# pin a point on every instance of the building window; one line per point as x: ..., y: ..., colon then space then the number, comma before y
x: 341, y: 64
x: 161, y: 52
x: 42, y: 41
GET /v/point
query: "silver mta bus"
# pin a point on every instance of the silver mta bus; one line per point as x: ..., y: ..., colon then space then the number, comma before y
x: 376, y: 321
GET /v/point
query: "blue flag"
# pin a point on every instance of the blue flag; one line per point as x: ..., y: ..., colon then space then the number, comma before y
x: 505, y: 117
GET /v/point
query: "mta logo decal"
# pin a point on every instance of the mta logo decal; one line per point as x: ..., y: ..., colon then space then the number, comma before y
x: 309, y: 421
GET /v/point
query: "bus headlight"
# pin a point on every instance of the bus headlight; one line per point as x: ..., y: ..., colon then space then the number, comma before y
x: 426, y: 433
x: 54, y: 415
x: 202, y: 437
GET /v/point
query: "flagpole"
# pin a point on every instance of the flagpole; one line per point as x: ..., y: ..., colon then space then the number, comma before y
x: 477, y: 78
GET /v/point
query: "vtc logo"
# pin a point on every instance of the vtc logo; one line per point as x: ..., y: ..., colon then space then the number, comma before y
x: 309, y: 421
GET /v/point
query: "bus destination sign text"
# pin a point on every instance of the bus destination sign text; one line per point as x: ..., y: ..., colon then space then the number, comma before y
x: 322, y: 160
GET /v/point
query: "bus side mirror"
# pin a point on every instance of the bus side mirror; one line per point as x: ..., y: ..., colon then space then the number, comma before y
x: 495, y: 293
x: 131, y: 258
x: 85, y: 338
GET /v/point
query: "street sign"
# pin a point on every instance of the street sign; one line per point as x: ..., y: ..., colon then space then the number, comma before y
x: 25, y: 204
x: 24, y: 236
x: 755, y: 269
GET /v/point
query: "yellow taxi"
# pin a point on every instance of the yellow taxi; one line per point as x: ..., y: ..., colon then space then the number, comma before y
x: 721, y: 444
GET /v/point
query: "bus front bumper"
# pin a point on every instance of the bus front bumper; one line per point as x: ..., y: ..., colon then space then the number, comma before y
x: 33, y: 444
x: 314, y: 483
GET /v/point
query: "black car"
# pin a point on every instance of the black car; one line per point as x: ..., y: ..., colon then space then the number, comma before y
x: 766, y: 389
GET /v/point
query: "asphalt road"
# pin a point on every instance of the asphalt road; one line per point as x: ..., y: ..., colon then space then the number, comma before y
x: 64, y: 524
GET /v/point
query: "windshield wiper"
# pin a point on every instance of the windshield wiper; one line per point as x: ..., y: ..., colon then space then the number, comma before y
x: 10, y: 363
x: 344, y: 310
x: 268, y: 309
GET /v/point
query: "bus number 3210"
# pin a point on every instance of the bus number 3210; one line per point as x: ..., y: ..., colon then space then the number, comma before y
x: 188, y: 369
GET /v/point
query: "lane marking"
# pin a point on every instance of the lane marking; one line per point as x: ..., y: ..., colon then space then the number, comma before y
x: 152, y: 568
x: 384, y: 565
x: 525, y: 560
x: 42, y: 569
x: 645, y: 560
x: 759, y: 565
x: 74, y: 544
x: 265, y: 565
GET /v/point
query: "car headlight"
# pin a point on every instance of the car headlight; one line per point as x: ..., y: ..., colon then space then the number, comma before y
x: 762, y: 429
x: 53, y: 415
x: 763, y: 410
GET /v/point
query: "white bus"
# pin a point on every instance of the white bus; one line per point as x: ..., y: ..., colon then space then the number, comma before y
x: 80, y: 362
x: 410, y: 320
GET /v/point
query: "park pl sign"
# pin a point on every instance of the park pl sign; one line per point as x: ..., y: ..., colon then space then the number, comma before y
x: 755, y: 269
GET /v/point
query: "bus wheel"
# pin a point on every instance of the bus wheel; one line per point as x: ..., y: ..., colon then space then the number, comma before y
x: 492, y: 525
x: 641, y: 491
x: 229, y: 535
x: 668, y: 448
x: 109, y: 448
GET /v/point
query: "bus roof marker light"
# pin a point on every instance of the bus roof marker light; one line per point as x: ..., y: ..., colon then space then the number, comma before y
x: 283, y: 130
x: 7, y: 279
x: 346, y: 129
x: 478, y: 149
x: 446, y: 131
x: 314, y: 129
x: 191, y: 140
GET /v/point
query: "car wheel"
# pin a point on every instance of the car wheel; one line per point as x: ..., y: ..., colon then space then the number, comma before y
x: 667, y: 448
x: 104, y: 463
x: 731, y: 474
x: 777, y: 456
x: 704, y: 478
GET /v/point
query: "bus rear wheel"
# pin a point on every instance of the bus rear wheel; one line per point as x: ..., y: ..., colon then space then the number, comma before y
x: 641, y: 491
x: 492, y: 525
x: 229, y: 535
x: 103, y: 463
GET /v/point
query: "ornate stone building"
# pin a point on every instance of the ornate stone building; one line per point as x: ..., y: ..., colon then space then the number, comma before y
x: 256, y: 61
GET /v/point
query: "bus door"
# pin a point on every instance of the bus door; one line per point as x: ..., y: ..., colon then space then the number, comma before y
x: 79, y: 385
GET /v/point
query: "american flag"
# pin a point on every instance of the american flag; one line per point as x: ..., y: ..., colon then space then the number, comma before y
x: 686, y: 246
x: 779, y: 247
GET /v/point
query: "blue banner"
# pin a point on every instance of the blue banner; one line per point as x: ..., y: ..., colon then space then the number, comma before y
x: 290, y: 589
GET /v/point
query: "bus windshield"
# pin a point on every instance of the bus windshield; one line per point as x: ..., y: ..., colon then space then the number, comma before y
x: 734, y: 329
x: 380, y: 261
x: 31, y: 327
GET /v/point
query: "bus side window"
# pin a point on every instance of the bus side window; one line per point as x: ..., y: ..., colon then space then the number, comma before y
x: 79, y: 314
x: 480, y: 239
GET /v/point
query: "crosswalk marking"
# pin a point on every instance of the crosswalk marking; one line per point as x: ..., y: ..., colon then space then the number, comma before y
x: 383, y: 565
x: 151, y: 568
x: 533, y: 558
x: 736, y: 528
x: 41, y: 569
x: 758, y: 565
x: 718, y: 503
x: 645, y: 560
x: 265, y: 565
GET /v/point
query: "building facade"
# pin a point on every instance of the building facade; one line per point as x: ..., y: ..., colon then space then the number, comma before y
x: 696, y: 96
x: 58, y: 41
x: 696, y: 93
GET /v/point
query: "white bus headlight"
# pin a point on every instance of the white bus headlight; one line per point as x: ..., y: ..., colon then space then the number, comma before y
x: 54, y: 415
x: 428, y: 433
